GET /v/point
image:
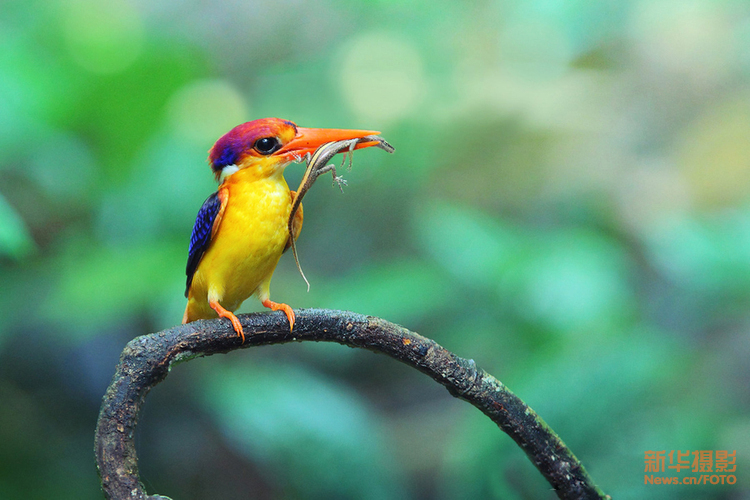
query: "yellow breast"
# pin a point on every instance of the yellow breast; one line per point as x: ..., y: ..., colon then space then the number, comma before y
x: 248, y: 243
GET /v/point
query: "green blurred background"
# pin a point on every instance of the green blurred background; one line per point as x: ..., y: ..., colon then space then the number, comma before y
x: 568, y: 205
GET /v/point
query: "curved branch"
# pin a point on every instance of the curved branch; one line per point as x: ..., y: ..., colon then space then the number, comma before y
x: 146, y: 360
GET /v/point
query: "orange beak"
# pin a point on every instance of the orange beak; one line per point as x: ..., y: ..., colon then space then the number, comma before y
x: 308, y: 140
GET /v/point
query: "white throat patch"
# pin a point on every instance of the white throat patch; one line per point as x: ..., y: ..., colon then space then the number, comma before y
x: 227, y: 171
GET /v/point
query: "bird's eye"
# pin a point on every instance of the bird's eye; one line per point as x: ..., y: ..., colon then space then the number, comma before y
x: 267, y: 145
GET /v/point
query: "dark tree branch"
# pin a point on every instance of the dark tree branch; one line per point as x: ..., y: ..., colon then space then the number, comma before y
x: 145, y: 362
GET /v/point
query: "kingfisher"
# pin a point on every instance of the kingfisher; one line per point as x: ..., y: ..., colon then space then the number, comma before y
x: 242, y: 229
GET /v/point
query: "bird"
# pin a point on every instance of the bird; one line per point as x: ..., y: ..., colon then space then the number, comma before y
x: 241, y: 230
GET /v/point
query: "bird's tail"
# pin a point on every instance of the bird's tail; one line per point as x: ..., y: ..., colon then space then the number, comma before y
x: 195, y: 310
x: 186, y: 316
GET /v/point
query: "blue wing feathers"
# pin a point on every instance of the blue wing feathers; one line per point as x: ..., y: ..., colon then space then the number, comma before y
x: 201, y: 236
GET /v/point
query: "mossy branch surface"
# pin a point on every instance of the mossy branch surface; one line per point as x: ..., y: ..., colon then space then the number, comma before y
x: 146, y: 360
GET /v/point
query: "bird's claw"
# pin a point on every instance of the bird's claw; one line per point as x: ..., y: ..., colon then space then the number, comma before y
x: 223, y: 313
x: 280, y: 306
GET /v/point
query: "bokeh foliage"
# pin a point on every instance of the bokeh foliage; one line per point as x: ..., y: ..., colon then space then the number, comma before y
x: 567, y: 205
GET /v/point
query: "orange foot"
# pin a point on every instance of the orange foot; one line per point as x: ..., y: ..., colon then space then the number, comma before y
x: 275, y: 306
x: 223, y: 313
